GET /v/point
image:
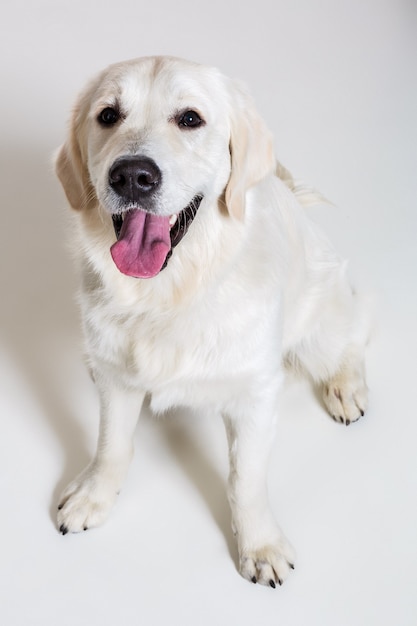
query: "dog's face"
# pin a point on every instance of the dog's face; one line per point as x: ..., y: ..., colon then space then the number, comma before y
x: 151, y: 140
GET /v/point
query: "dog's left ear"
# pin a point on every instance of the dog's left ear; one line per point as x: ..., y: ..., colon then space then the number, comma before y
x: 251, y: 148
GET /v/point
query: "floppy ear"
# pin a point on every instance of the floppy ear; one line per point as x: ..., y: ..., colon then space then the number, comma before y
x: 252, y: 152
x: 72, y: 171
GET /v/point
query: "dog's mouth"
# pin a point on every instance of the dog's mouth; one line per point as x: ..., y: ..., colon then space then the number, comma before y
x: 145, y: 241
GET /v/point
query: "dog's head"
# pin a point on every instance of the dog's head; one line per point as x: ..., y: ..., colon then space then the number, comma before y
x: 150, y: 141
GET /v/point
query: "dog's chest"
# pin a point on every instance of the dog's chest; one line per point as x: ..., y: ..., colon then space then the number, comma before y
x: 200, y: 350
x: 160, y: 350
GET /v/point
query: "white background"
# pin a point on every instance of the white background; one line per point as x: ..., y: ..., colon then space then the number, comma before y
x: 336, y: 82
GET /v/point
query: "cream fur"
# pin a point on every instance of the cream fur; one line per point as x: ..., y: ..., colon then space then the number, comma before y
x: 253, y: 284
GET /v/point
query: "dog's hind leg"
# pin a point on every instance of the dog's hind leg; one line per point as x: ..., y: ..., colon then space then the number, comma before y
x: 345, y: 394
x: 333, y: 353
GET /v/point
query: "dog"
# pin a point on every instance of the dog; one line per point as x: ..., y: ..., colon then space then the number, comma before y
x: 202, y: 280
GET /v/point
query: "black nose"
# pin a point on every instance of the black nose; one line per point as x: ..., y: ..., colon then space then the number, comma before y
x: 134, y: 178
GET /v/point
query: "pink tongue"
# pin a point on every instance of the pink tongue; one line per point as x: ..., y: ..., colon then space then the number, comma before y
x: 143, y: 244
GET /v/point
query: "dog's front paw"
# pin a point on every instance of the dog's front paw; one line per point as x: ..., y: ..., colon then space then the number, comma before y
x: 269, y: 564
x: 86, y: 502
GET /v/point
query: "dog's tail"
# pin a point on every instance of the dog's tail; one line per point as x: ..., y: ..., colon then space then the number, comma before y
x: 306, y: 196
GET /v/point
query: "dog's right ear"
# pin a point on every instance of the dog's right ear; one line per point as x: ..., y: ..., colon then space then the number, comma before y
x: 72, y: 171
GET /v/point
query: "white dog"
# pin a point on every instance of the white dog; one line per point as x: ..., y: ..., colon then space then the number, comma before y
x: 201, y: 277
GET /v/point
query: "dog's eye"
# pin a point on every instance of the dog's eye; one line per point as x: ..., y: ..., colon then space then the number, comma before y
x: 109, y: 116
x: 189, y: 119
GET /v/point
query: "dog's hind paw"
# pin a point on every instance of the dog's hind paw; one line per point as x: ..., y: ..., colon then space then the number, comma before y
x: 346, y: 396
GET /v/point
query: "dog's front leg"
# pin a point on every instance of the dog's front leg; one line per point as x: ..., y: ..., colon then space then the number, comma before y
x: 87, y: 500
x: 265, y: 556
